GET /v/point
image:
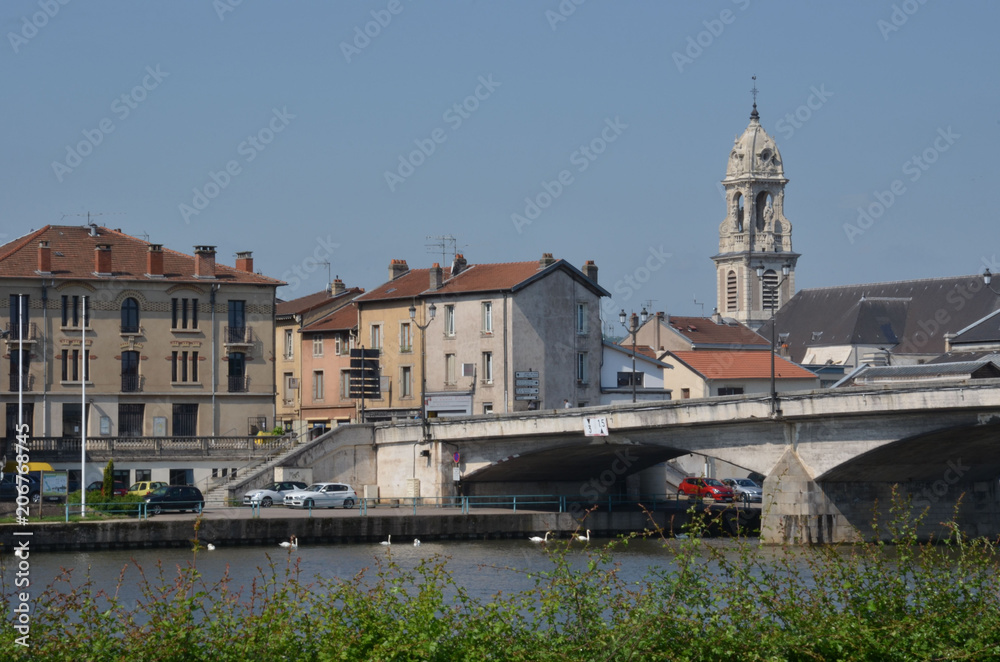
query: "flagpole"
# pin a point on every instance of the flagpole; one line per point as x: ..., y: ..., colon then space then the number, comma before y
x: 20, y: 363
x: 83, y: 409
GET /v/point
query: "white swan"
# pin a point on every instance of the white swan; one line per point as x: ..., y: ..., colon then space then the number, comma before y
x: 585, y: 538
x: 416, y: 542
x: 211, y: 547
x: 292, y: 542
x: 537, y: 539
x: 388, y: 541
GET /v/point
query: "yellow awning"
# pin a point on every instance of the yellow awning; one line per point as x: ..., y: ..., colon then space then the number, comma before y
x: 11, y: 467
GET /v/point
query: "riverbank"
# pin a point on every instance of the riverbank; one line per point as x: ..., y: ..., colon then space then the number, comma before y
x: 240, y: 526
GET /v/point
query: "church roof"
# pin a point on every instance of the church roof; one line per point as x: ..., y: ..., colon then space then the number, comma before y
x: 986, y: 330
x: 754, y: 154
x: 905, y: 317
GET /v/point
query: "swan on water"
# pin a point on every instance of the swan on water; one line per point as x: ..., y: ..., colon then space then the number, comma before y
x: 387, y: 541
x: 585, y: 538
x: 292, y: 542
x: 416, y: 542
x: 537, y: 539
x: 211, y: 547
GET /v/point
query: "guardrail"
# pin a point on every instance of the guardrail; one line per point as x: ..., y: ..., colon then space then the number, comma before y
x: 140, y: 509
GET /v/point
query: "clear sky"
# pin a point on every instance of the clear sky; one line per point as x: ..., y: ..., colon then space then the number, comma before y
x: 285, y: 129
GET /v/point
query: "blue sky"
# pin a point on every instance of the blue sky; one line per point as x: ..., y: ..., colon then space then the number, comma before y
x: 286, y: 118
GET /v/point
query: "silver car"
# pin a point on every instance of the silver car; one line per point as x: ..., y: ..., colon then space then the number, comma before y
x: 322, y: 495
x: 746, y: 490
x: 273, y: 493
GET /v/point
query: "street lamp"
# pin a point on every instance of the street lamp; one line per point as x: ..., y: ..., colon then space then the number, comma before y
x: 773, y: 291
x: 987, y: 277
x: 431, y: 312
x: 632, y: 328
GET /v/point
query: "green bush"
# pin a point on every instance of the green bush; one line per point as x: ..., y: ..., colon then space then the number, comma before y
x: 127, y: 505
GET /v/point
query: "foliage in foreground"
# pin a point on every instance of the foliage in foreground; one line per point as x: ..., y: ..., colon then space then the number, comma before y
x: 907, y: 601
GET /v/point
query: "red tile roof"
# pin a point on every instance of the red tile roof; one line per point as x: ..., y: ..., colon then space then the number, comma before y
x: 343, y: 319
x: 315, y: 300
x: 72, y: 250
x: 705, y: 331
x: 739, y: 364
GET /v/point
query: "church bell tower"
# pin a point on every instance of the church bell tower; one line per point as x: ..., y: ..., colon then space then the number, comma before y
x: 755, y: 232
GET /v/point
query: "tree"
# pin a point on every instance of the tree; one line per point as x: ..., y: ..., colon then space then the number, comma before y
x: 108, y: 487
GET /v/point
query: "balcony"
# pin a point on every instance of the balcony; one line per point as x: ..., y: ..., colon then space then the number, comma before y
x: 27, y: 333
x: 237, y: 336
x: 17, y: 382
x: 101, y: 449
x: 239, y: 384
x: 131, y: 383
x: 132, y: 330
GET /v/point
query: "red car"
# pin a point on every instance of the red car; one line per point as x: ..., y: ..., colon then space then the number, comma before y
x: 706, y: 487
x: 120, y: 489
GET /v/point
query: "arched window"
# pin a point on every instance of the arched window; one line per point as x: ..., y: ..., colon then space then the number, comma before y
x: 769, y: 287
x: 739, y: 212
x: 763, y: 209
x: 731, y: 297
x: 130, y: 316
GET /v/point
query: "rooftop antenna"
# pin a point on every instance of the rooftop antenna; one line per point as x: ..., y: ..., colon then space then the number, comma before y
x: 754, y: 115
x: 648, y: 303
x: 329, y: 282
x: 89, y: 215
x: 442, y: 245
x: 698, y: 303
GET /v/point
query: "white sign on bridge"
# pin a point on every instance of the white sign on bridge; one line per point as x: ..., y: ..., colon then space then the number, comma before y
x: 595, y: 427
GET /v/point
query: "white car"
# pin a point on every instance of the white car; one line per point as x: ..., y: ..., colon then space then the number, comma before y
x: 746, y: 490
x: 322, y: 495
x: 273, y: 493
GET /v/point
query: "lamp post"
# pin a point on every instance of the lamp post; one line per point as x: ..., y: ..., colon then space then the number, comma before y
x: 431, y: 312
x: 773, y: 290
x: 632, y: 329
x: 987, y: 277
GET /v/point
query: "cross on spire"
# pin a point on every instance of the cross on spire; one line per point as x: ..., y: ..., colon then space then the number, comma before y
x: 754, y: 115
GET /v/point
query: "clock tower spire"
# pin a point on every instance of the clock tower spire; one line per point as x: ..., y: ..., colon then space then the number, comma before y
x: 755, y: 231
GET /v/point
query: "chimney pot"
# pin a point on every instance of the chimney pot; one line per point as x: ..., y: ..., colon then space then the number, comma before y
x: 102, y: 260
x: 397, y: 268
x: 154, y: 260
x: 436, y: 276
x: 337, y: 287
x: 546, y: 260
x: 590, y: 270
x: 458, y: 264
x: 204, y: 261
x: 244, y: 261
x: 44, y: 258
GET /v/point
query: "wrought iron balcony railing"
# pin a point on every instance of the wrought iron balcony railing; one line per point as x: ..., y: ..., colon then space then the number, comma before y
x: 239, y: 383
x: 131, y: 383
x: 238, y: 335
x: 17, y: 382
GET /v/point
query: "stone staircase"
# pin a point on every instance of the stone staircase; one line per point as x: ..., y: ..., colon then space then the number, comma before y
x: 220, y: 491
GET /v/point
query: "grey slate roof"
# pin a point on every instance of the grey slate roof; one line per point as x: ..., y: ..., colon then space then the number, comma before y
x: 986, y: 330
x: 906, y: 317
x: 982, y: 369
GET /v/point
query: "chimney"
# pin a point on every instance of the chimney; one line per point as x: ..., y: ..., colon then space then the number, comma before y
x: 546, y: 260
x: 590, y: 270
x: 458, y: 265
x: 435, y: 276
x: 716, y: 316
x: 337, y: 287
x: 154, y: 260
x: 244, y: 261
x: 44, y: 258
x: 102, y: 260
x: 397, y: 268
x: 948, y: 337
x: 204, y: 261
x: 656, y: 332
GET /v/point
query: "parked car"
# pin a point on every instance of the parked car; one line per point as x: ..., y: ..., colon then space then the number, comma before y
x: 746, y: 490
x: 275, y: 492
x: 322, y: 495
x: 175, y: 497
x: 119, y: 490
x: 144, y: 487
x: 9, y: 488
x: 705, y: 487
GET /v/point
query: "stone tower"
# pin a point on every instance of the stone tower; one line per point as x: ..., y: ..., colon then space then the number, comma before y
x: 755, y: 231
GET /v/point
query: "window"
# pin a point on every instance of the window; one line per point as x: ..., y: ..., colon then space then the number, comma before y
x: 581, y: 318
x: 730, y: 390
x: 338, y: 344
x: 181, y: 476
x: 130, y: 420
x: 405, y: 337
x: 685, y: 394
x: 450, y: 376
x: 487, y: 317
x: 185, y: 420
x: 237, y: 372
x: 318, y: 344
x: 72, y: 419
x: 184, y: 367
x: 289, y: 396
x: 581, y: 367
x: 19, y: 322
x: 731, y: 297
x: 487, y: 407
x: 20, y: 370
x: 74, y: 310
x: 769, y: 287
x: 376, y: 336
x: 70, y: 365
x: 406, y: 382
x: 143, y: 475
x: 184, y: 313
x: 130, y: 316
x: 628, y: 378
x: 318, y: 386
x: 345, y: 384
x: 487, y: 367
x: 449, y: 320
x: 130, y: 371
x: 289, y: 344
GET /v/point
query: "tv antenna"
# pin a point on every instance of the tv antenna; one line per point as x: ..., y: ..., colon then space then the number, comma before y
x: 91, y: 215
x: 442, y: 244
x: 694, y: 297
